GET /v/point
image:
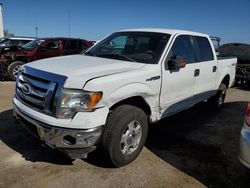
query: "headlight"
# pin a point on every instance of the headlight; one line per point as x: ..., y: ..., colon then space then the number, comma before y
x: 73, y: 101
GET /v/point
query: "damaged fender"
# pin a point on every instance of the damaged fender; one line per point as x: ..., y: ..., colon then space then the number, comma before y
x: 136, y: 90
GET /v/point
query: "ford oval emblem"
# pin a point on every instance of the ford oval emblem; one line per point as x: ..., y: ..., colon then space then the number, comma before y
x: 26, y: 89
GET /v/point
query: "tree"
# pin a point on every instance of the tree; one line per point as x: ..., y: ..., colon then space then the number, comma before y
x: 8, y: 34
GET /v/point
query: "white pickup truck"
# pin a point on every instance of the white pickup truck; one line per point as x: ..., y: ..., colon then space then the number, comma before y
x: 107, y: 96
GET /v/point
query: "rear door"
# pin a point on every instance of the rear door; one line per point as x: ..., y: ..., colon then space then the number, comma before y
x: 73, y: 47
x: 178, y: 86
x: 205, y: 67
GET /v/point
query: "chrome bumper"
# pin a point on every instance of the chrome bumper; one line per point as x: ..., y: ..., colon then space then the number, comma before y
x: 76, y: 143
x: 245, y: 146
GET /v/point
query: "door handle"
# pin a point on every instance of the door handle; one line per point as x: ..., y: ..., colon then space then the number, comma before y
x: 153, y: 78
x: 214, y: 68
x: 196, y: 72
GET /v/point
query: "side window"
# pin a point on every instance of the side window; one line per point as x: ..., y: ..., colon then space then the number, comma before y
x: 73, y: 45
x: 183, y: 48
x: 25, y: 41
x: 52, y: 45
x: 14, y: 43
x: 204, y: 51
x: 80, y: 45
x: 65, y: 44
x: 6, y: 42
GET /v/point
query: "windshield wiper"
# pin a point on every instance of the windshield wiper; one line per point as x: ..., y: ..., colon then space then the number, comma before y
x: 117, y: 56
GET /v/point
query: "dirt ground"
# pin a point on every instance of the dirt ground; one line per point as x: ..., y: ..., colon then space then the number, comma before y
x: 196, y: 148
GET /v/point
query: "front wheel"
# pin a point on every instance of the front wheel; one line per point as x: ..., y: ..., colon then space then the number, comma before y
x: 125, y: 134
x: 14, y: 68
x: 218, y: 100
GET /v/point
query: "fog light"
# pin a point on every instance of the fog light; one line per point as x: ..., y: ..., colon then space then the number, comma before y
x: 69, y: 140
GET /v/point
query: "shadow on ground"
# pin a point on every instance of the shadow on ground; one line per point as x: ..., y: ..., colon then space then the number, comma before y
x: 17, y: 138
x: 200, y: 142
x: 203, y: 143
x: 244, y: 87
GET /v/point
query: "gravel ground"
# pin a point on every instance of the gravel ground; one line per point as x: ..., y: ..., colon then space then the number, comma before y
x: 195, y: 148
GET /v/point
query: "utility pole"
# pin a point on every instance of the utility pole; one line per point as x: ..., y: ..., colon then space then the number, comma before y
x: 36, y: 28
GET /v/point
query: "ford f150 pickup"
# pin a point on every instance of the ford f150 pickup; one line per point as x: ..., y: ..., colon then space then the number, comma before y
x: 107, y: 96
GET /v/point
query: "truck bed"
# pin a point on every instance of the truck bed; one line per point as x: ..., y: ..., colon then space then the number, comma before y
x: 227, y: 63
x: 223, y: 58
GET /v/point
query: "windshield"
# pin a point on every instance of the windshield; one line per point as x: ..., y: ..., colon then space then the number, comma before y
x: 143, y: 47
x: 33, y: 44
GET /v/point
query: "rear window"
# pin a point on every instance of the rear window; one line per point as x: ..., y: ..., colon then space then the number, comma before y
x: 204, y: 51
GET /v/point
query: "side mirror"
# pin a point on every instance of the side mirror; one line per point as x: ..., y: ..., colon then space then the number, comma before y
x: 41, y: 48
x: 176, y: 63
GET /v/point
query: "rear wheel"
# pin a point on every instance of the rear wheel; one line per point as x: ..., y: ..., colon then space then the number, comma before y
x: 218, y: 100
x: 14, y: 68
x: 125, y: 134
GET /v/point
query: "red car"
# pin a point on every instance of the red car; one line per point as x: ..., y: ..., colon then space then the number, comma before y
x: 12, y: 58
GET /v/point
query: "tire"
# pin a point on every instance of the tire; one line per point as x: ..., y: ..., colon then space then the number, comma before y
x: 125, y: 134
x: 13, y: 69
x: 218, y: 100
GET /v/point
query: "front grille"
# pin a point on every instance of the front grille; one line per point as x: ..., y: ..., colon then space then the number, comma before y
x: 36, y: 92
x: 39, y: 89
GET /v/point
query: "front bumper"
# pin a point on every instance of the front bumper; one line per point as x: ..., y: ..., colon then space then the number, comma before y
x: 76, y: 143
x: 245, y: 146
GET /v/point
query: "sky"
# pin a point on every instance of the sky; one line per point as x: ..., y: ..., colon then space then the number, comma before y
x: 93, y: 19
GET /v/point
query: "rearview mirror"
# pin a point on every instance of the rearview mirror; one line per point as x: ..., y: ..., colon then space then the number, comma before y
x: 176, y: 63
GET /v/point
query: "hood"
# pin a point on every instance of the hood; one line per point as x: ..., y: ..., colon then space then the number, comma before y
x: 80, y: 68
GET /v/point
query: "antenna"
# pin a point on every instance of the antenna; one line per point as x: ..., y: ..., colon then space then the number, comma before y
x: 69, y: 24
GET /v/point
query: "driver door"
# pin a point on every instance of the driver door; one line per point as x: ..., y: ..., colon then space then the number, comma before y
x: 178, y: 85
x: 52, y: 49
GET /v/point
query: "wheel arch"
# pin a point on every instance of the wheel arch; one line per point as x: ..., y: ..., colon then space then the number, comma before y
x: 136, y: 94
x: 226, y: 80
x: 137, y: 101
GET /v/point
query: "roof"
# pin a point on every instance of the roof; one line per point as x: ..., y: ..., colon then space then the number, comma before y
x: 167, y: 31
x: 21, y: 38
x: 50, y: 38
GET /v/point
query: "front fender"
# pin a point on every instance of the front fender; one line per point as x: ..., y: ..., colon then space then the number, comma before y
x: 133, y: 90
